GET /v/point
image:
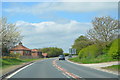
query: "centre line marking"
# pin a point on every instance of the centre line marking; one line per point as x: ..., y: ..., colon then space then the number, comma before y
x: 65, y: 71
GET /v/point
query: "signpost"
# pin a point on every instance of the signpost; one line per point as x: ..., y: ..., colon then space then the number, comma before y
x: 72, y: 51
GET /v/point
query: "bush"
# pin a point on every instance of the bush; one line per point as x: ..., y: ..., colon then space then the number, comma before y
x: 99, y: 59
x: 114, y: 49
x: 66, y: 54
x: 106, y: 47
x: 17, y: 55
x: 90, y: 51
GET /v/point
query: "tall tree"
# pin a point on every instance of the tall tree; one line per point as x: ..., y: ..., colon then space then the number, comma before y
x: 104, y: 29
x: 10, y: 35
x: 81, y: 42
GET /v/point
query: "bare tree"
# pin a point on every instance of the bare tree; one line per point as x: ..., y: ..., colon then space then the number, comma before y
x: 104, y: 29
x: 9, y: 33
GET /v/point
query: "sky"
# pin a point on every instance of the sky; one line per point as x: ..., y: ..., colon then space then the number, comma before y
x: 55, y: 24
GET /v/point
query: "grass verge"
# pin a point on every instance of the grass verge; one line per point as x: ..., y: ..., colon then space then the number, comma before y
x: 113, y: 67
x: 10, y: 62
x: 99, y: 59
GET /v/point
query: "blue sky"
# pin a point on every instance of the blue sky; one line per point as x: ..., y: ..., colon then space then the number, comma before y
x: 55, y: 24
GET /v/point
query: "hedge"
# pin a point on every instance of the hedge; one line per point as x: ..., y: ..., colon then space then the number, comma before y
x: 90, y: 51
x: 114, y: 51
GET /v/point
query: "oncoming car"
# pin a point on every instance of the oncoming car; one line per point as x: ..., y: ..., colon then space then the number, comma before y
x: 61, y: 57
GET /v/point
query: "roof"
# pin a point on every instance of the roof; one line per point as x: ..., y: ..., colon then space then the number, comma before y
x: 34, y: 50
x: 20, y: 47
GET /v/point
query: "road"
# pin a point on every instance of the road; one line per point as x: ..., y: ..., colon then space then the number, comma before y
x: 53, y: 68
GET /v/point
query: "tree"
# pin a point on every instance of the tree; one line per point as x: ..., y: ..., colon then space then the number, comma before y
x: 81, y: 42
x: 10, y: 35
x: 104, y: 29
x: 52, y: 51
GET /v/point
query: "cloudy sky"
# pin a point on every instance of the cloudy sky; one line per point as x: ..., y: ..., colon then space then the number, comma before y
x: 55, y: 24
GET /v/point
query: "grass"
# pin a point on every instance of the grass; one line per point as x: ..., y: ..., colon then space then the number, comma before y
x: 28, y: 60
x: 10, y: 62
x: 113, y: 67
x: 99, y: 59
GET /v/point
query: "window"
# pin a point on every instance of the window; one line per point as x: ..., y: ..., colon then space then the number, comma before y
x: 27, y: 53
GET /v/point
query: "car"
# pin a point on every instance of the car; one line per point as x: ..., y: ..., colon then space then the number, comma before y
x: 61, y: 57
x: 70, y: 56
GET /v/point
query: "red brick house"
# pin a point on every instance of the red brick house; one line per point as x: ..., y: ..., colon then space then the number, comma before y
x: 24, y: 51
x: 34, y: 52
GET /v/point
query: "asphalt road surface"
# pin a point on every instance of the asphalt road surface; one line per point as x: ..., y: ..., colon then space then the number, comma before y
x: 53, y: 68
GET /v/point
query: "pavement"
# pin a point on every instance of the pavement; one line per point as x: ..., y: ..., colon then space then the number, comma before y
x: 54, y: 68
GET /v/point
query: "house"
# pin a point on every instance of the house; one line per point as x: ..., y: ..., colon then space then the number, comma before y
x: 22, y: 50
x: 34, y: 53
x: 26, y: 52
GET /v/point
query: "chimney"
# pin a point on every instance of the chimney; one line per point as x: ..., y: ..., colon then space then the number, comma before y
x: 20, y: 43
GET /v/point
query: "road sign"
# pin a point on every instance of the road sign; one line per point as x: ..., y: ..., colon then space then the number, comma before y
x: 72, y: 51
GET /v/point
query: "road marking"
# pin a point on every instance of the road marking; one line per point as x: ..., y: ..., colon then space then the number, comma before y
x: 77, y: 75
x: 66, y: 75
x: 9, y: 76
x: 65, y: 71
x: 19, y: 70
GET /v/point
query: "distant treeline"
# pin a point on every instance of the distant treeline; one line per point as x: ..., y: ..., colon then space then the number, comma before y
x: 52, y: 51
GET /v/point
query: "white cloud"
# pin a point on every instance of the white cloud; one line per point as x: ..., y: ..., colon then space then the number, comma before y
x: 46, y: 34
x: 89, y: 0
x: 61, y: 1
x: 53, y: 27
x: 43, y: 8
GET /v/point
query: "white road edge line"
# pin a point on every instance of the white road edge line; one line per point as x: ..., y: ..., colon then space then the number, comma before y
x: 9, y: 76
x: 18, y: 71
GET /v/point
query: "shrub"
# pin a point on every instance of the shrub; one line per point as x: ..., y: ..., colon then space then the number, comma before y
x: 90, y: 51
x: 17, y: 55
x: 66, y: 54
x: 106, y: 47
x: 114, y: 49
